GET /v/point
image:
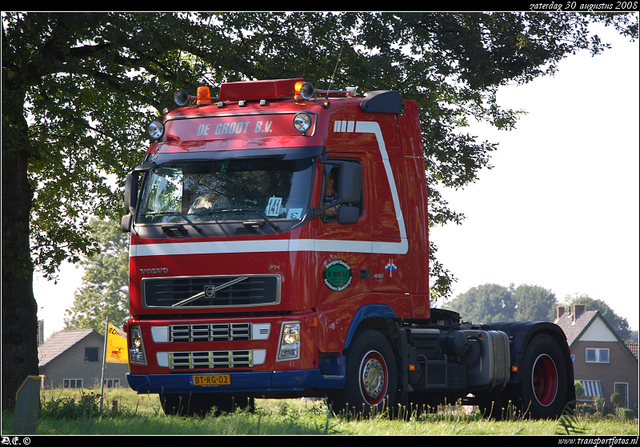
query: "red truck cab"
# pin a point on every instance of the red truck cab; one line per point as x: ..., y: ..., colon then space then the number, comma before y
x: 276, y: 231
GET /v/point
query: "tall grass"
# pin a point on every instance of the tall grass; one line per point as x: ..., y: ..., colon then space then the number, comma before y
x: 77, y: 412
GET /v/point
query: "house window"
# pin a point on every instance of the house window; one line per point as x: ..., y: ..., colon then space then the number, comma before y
x: 597, y: 355
x: 72, y: 383
x: 112, y: 383
x: 91, y: 354
x: 623, y: 389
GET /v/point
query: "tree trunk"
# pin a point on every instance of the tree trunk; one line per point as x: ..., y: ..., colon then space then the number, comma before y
x: 19, y: 309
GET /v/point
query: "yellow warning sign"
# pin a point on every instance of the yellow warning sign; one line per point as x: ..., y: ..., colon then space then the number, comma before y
x: 116, y: 346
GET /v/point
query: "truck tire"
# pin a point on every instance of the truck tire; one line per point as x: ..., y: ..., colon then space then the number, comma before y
x: 544, y: 385
x: 371, y: 377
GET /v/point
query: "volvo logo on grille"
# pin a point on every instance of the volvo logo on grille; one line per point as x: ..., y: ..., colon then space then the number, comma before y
x: 210, y: 291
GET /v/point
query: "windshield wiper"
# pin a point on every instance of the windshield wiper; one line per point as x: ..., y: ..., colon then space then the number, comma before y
x: 251, y: 210
x: 172, y: 213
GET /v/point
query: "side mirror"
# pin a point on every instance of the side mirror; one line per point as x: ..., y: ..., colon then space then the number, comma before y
x: 348, y: 215
x: 125, y: 223
x: 350, y: 183
x: 130, y: 192
x: 348, y: 191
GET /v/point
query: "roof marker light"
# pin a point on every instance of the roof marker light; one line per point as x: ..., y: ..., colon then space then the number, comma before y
x: 204, y: 97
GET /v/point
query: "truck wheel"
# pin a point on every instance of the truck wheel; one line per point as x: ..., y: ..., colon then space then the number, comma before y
x: 544, y: 389
x: 371, y: 380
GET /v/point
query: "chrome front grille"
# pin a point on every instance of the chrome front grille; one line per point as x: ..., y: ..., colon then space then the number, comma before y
x: 211, y: 359
x: 210, y: 332
x: 211, y: 291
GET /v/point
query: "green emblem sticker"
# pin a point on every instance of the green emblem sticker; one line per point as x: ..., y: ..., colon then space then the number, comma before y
x: 337, y: 275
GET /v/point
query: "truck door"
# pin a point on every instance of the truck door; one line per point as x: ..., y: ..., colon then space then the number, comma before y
x: 390, y: 264
x: 343, y: 252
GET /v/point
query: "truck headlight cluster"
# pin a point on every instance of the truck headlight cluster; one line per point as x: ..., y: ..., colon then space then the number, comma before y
x: 136, y: 347
x: 289, y: 341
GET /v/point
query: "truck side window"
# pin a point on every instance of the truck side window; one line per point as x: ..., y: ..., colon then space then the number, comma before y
x: 330, y: 192
x: 330, y: 195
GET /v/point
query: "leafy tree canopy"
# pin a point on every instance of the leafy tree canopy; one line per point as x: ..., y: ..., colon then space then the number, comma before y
x: 87, y: 83
x: 491, y: 302
x: 104, y: 292
x: 487, y: 303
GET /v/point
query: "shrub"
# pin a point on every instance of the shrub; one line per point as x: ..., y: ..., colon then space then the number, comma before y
x: 624, y: 413
x: 579, y: 389
x: 616, y: 398
x: 69, y: 408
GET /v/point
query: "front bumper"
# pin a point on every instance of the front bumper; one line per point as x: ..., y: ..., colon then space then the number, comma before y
x: 329, y: 376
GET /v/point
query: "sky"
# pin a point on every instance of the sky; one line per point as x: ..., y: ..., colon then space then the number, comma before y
x: 559, y: 209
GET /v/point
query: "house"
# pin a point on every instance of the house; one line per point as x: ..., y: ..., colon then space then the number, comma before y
x: 73, y: 359
x: 602, y: 362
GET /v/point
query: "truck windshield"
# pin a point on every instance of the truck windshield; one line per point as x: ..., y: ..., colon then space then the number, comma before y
x: 236, y: 189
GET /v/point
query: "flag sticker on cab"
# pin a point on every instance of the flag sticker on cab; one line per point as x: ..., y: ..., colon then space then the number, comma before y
x: 390, y: 267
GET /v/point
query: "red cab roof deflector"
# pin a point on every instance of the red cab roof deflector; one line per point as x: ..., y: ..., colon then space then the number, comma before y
x: 257, y: 90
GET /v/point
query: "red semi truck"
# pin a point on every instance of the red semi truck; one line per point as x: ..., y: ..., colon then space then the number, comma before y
x: 279, y: 248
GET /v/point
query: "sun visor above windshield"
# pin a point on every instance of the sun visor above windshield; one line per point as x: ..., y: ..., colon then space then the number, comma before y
x: 161, y: 153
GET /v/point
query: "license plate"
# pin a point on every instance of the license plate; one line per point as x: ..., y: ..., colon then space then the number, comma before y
x: 218, y: 379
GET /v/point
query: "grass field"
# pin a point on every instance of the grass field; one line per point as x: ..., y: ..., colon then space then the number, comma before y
x: 67, y: 412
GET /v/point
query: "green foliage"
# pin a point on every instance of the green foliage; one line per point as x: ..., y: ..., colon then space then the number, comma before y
x: 491, y: 302
x: 534, y: 303
x: 579, y: 389
x: 89, y: 82
x: 624, y: 413
x: 484, y: 304
x: 84, y: 407
x: 569, y: 424
x: 141, y: 415
x: 616, y: 398
x: 104, y: 290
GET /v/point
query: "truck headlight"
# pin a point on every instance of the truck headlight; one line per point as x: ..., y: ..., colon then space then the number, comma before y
x: 302, y: 122
x: 289, y: 341
x: 136, y: 347
x: 155, y: 129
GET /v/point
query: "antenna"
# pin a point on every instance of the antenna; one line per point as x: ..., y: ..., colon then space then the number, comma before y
x: 334, y: 71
